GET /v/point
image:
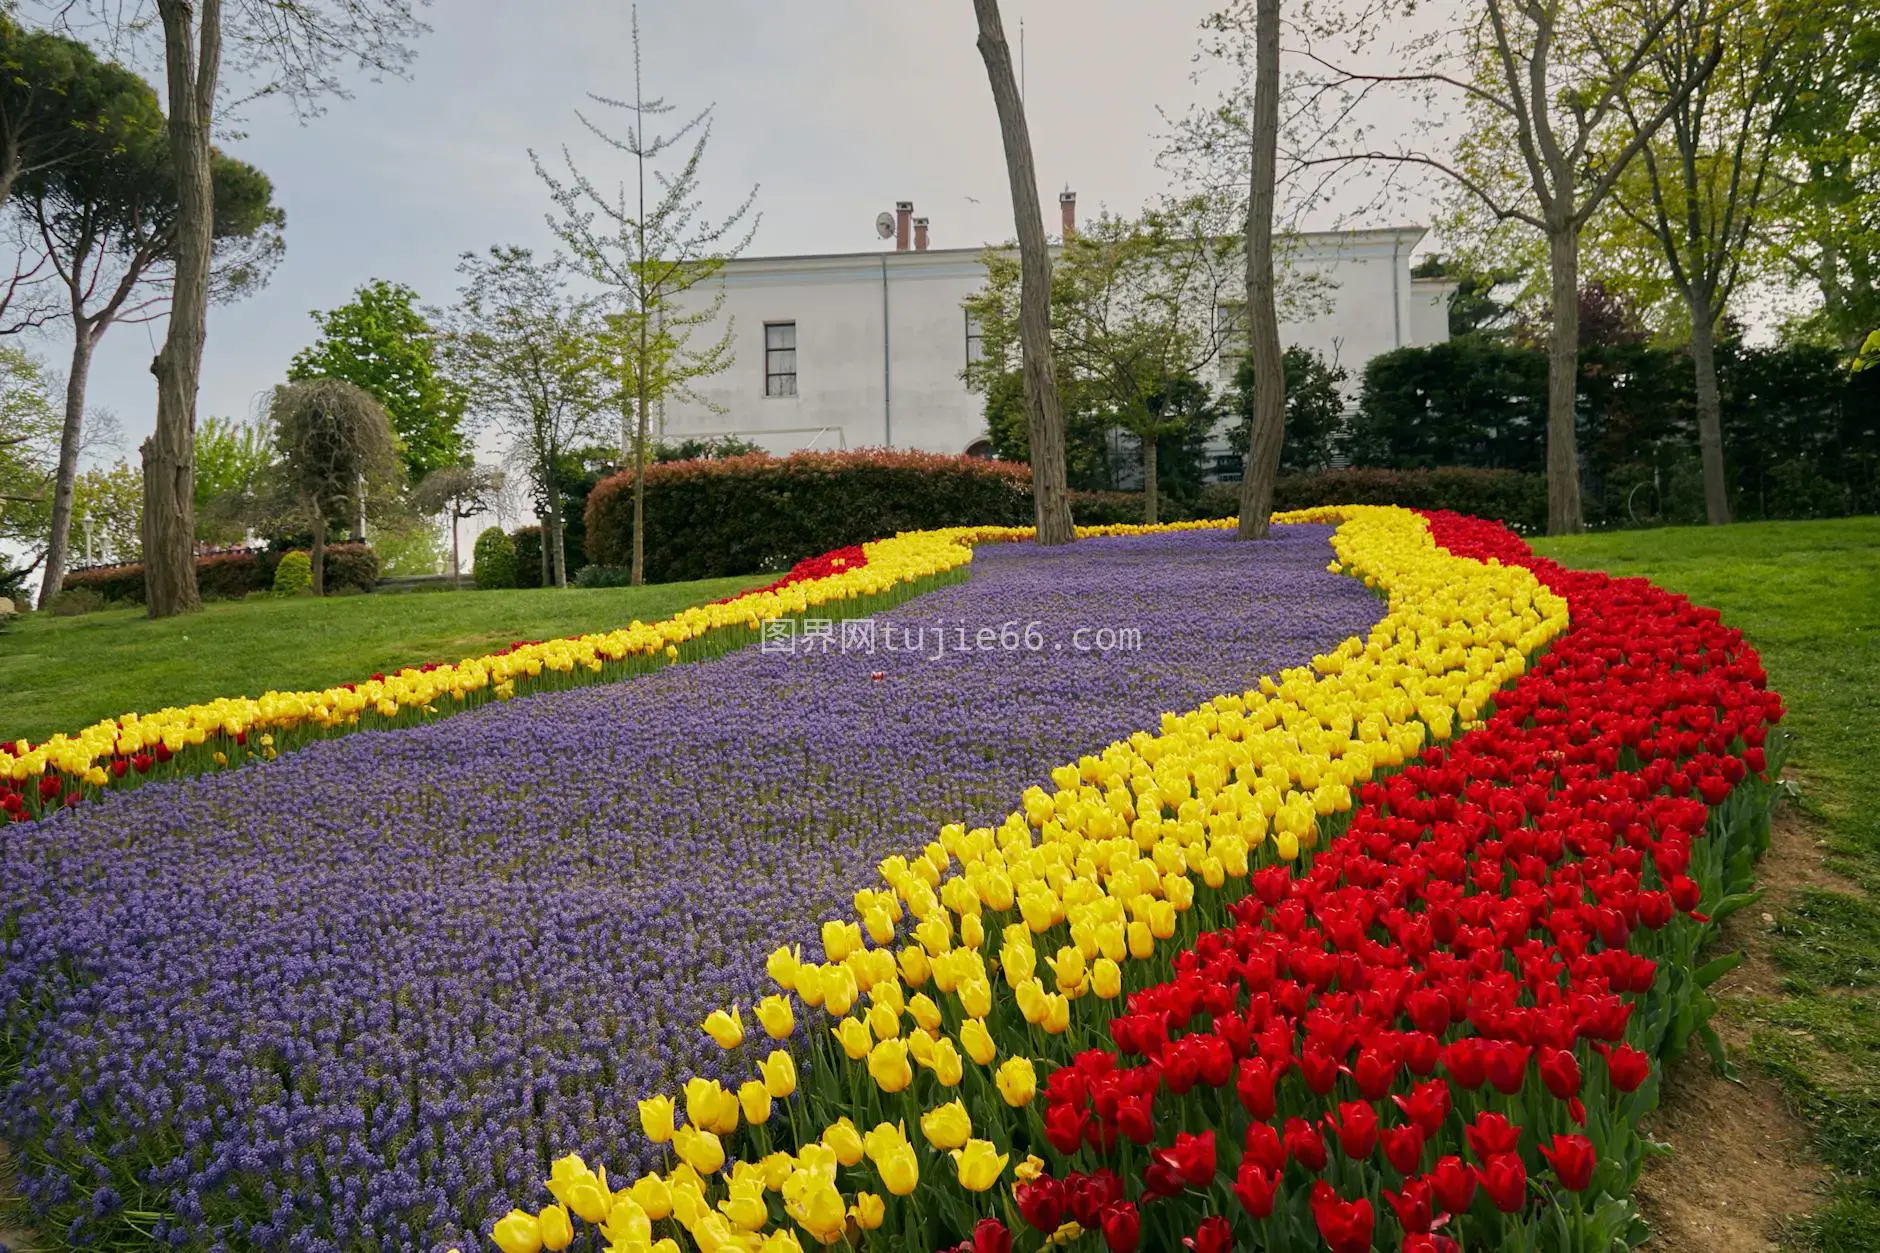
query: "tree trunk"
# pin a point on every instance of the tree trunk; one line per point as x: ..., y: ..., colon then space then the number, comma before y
x: 639, y: 488
x: 192, y: 56
x: 558, y: 560
x: 456, y: 552
x: 317, y: 558
x: 1563, y: 374
x: 1268, y: 435
x: 1709, y: 408
x: 1044, y: 416
x: 66, y: 482
x: 1151, y: 490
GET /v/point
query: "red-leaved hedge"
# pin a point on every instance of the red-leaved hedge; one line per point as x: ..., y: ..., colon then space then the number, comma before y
x: 232, y: 575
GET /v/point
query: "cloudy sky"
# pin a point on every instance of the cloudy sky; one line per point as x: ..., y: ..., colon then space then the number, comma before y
x: 834, y: 108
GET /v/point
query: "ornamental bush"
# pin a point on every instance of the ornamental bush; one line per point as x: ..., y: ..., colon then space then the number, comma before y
x: 495, y: 559
x: 294, y: 574
x: 528, y: 542
x: 737, y: 515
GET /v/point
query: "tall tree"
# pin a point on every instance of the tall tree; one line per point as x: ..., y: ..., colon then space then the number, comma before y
x: 336, y: 445
x: 1543, y: 82
x: 1051, y: 503
x: 56, y: 99
x: 1268, y: 430
x: 533, y: 357
x: 1830, y: 164
x: 107, y: 222
x: 29, y: 451
x: 379, y: 340
x: 294, y: 49
x: 1704, y: 184
x: 649, y: 256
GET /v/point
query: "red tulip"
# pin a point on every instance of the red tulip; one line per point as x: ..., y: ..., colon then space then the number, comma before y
x: 1426, y: 1106
x: 1345, y: 1225
x: 1454, y: 1185
x: 1122, y: 1227
x: 1041, y: 1203
x: 1214, y: 1235
x: 1572, y: 1159
x: 1356, y: 1127
x: 1255, y: 1189
x: 1403, y: 1148
x: 1305, y: 1145
x: 1491, y: 1134
x: 1264, y: 1148
x: 1504, y: 1178
x: 1560, y: 1071
x: 990, y: 1236
x: 1626, y: 1066
x: 1412, y: 1205
x: 1254, y: 1087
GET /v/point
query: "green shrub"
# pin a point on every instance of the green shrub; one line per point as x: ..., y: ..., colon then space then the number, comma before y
x: 219, y: 576
x: 739, y: 515
x: 70, y: 602
x: 293, y: 574
x: 494, y: 559
x: 604, y: 576
x: 351, y: 567
x: 528, y: 541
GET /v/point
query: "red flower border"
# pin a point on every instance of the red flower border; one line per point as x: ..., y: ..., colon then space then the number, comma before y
x: 1448, y: 1025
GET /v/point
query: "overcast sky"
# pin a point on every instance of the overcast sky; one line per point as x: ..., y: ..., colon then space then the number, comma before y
x: 835, y: 108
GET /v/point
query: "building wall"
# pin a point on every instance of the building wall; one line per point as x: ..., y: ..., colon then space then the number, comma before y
x: 1360, y: 300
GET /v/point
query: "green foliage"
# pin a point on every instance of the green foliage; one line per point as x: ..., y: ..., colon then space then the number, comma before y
x: 413, y: 546
x: 1801, y: 435
x: 294, y: 574
x: 109, y: 503
x: 744, y: 514
x: 380, y: 342
x: 71, y: 602
x: 232, y: 461
x: 234, y: 575
x: 528, y: 542
x: 495, y: 559
x: 707, y: 448
x: 1315, y: 409
x: 29, y: 448
x: 13, y: 581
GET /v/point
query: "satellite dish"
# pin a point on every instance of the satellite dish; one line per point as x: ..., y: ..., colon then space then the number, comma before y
x: 884, y: 225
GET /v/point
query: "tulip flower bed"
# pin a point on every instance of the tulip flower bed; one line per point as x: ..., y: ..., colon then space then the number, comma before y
x: 1123, y: 1020
x: 355, y: 997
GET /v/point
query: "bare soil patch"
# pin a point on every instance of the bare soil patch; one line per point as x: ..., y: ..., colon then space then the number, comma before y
x: 1741, y: 1168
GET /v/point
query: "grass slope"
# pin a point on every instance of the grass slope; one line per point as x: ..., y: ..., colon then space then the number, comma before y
x: 1808, y: 596
x: 61, y: 674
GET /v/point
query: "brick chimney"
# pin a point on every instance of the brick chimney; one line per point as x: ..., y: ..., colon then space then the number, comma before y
x: 903, y: 218
x: 1067, y: 206
x: 920, y: 234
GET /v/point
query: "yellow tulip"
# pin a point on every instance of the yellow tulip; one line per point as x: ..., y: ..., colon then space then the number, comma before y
x: 726, y: 1029
x: 518, y: 1232
x: 899, y: 1170
x: 1106, y: 979
x: 775, y: 1242
x: 1017, y: 1080
x: 887, y: 1065
x: 839, y: 990
x: 744, y: 1205
x: 978, y: 1041
x: 701, y: 1150
x: 946, y: 1064
x: 809, y: 984
x: 628, y: 1222
x: 925, y: 1012
x: 774, y: 1015
x: 868, y: 1211
x: 852, y: 1035
x: 884, y: 1021
x: 656, y: 1118
x: 844, y: 1141
x: 947, y: 1126
x: 652, y: 1195
x: 754, y: 1097
x: 779, y: 1074
x: 914, y: 966
x: 979, y: 1164
x: 782, y: 966
x: 976, y: 998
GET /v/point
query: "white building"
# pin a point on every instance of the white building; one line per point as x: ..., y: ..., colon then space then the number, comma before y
x: 853, y: 350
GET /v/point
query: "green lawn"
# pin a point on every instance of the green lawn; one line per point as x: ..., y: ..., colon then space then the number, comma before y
x: 1808, y: 596
x: 61, y: 674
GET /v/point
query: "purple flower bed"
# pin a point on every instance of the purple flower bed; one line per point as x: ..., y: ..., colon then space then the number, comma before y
x: 357, y: 996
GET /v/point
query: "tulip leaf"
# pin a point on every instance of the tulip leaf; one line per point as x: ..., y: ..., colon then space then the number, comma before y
x: 1730, y: 904
x: 1711, y: 971
x: 1713, y: 1045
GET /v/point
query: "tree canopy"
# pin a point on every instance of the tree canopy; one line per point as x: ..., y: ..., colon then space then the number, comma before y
x: 381, y: 342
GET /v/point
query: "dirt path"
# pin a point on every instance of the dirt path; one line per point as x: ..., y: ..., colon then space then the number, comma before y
x: 1741, y: 1167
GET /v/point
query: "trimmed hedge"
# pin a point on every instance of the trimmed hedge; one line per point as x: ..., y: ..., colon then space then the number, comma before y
x: 233, y: 575
x: 739, y: 515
